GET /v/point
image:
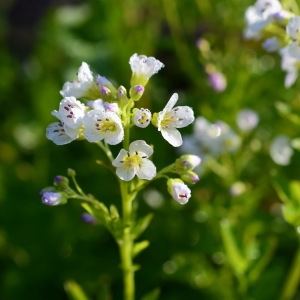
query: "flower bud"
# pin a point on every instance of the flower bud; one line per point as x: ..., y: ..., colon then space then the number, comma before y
x: 61, y: 182
x: 88, y: 218
x: 190, y: 177
x: 178, y: 190
x: 141, y: 117
x: 186, y: 162
x: 54, y: 198
x: 136, y: 92
x: 122, y: 95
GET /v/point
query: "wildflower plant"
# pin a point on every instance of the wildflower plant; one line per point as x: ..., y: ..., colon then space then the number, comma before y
x: 94, y: 110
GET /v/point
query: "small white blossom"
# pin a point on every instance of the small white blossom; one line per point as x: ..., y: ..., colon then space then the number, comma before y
x: 103, y: 125
x: 179, y: 191
x: 83, y: 87
x: 142, y: 117
x: 71, y: 112
x: 172, y: 118
x: 135, y: 162
x: 56, y: 133
x: 281, y: 150
x: 258, y: 16
x: 247, y: 119
x: 143, y: 68
x: 289, y: 64
x: 292, y: 29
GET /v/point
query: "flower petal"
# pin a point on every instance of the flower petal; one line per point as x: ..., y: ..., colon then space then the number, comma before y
x: 141, y: 146
x: 173, y: 136
x: 147, y: 170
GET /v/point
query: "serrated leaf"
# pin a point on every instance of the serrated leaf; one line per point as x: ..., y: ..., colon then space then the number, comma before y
x: 141, y: 225
x: 139, y: 247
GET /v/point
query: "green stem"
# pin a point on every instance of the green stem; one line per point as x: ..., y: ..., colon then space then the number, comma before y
x: 126, y: 245
x: 293, y: 278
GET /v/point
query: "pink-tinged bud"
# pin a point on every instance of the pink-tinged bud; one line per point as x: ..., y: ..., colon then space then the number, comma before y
x: 136, y: 92
x: 217, y: 81
x: 190, y: 177
x: 105, y: 91
x: 178, y: 190
x: 187, y: 162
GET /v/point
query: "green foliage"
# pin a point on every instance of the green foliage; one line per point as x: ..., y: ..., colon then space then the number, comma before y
x: 220, y: 245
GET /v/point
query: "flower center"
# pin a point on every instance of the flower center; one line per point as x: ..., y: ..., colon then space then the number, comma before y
x: 106, y: 125
x: 132, y: 160
x: 169, y: 120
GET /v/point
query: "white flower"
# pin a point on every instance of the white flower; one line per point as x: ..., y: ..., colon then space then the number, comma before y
x: 260, y: 15
x: 71, y: 112
x: 83, y: 87
x: 179, y: 191
x: 292, y: 29
x: 281, y: 150
x: 289, y: 64
x: 171, y: 118
x: 142, y: 117
x: 247, y: 119
x: 101, y: 125
x: 143, y: 68
x: 135, y: 162
x: 56, y: 133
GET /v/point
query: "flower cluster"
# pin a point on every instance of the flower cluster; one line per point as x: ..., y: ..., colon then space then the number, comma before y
x: 93, y: 109
x: 279, y: 29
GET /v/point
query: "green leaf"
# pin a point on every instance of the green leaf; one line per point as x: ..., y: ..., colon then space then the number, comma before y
x: 238, y: 262
x: 74, y: 291
x: 153, y: 295
x: 141, y: 225
x: 139, y: 247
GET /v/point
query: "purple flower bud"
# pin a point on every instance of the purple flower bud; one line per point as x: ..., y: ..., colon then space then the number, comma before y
x: 88, y: 218
x: 105, y: 91
x: 53, y: 198
x: 217, y: 81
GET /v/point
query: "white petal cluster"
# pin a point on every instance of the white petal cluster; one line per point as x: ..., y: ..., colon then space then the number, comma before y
x: 135, y: 162
x: 292, y: 30
x: 103, y: 125
x: 281, y: 150
x: 247, y: 119
x: 68, y: 128
x: 145, y: 66
x: 259, y: 15
x: 172, y: 118
x: 289, y: 64
x: 84, y: 83
x: 78, y: 121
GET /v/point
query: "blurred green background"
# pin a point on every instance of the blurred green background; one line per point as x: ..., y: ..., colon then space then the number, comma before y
x: 192, y: 254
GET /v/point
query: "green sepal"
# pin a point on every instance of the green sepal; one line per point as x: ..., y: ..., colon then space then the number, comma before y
x: 74, y: 291
x: 141, y: 225
x: 139, y: 247
x: 114, y: 213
